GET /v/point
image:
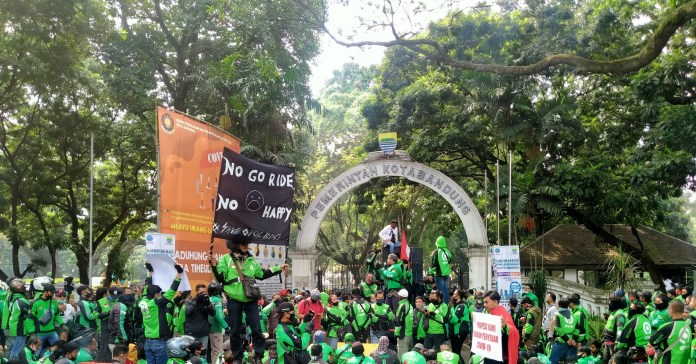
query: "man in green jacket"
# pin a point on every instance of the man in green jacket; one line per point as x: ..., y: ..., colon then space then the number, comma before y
x: 46, y: 313
x: 446, y: 356
x: 158, y: 319
x: 419, y: 320
x: 369, y: 286
x: 360, y: 315
x: 20, y: 322
x: 292, y: 337
x: 660, y: 316
x: 334, y: 319
x: 460, y: 319
x: 414, y: 356
x: 437, y: 312
x: 637, y: 331
x: 393, y: 277
x: 359, y: 355
x: 218, y: 322
x: 382, y: 315
x: 528, y: 291
x: 531, y: 331
x: 582, y: 320
x: 225, y: 271
x: 440, y: 267
x: 403, y: 327
x: 87, y: 308
x: 675, y: 335
x: 345, y: 352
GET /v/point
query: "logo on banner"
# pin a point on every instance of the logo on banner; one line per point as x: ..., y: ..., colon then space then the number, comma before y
x: 254, y: 201
x: 168, y: 124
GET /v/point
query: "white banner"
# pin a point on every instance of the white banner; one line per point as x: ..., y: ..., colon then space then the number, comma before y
x: 164, y: 272
x: 156, y: 243
x: 506, y: 268
x: 487, y: 337
x: 269, y: 256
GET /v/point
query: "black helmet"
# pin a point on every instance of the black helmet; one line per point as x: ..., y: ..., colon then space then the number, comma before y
x: 177, y: 347
x: 17, y: 286
x: 214, y: 288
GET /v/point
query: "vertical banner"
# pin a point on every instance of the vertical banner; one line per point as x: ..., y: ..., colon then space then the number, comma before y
x: 506, y: 267
x: 254, y: 201
x: 269, y: 256
x: 486, y: 336
x: 190, y: 153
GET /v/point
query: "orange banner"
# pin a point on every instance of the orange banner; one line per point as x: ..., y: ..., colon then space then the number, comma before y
x: 190, y: 153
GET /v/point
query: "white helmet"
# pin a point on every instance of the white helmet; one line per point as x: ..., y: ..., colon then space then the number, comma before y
x: 4, y: 286
x: 41, y: 282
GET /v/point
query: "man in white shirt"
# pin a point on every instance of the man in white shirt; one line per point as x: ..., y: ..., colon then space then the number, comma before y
x: 551, y: 309
x: 67, y: 311
x: 390, y: 236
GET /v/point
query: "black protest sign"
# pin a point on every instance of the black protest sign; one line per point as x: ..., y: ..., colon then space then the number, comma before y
x: 254, y: 201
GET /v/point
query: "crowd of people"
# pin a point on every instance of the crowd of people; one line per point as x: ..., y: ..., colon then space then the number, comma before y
x: 227, y: 321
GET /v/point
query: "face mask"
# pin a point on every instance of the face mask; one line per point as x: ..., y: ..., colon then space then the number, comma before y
x: 293, y: 320
x: 61, y: 302
x: 661, y: 306
x: 380, y: 302
x: 632, y: 313
x: 314, y: 300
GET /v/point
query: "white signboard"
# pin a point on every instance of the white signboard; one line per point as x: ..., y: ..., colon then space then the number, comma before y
x: 506, y: 268
x: 269, y: 256
x: 164, y: 272
x: 487, y: 337
x: 156, y: 243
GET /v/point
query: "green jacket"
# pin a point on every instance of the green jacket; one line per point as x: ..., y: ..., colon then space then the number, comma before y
x: 413, y: 357
x: 291, y: 338
x: 21, y: 322
x: 636, y: 333
x: 564, y: 325
x: 218, y: 323
x: 668, y: 334
x: 158, y: 314
x: 447, y: 357
x: 27, y: 356
x: 440, y: 259
x: 438, y: 315
x: 87, y: 314
x: 104, y: 306
x: 393, y: 276
x: 343, y: 354
x: 659, y: 318
x: 326, y: 351
x: 360, y: 315
x: 179, y: 317
x: 582, y: 323
x: 361, y: 360
x: 532, y: 297
x: 614, y: 326
x: 403, y: 326
x: 368, y: 289
x: 418, y: 327
x: 532, y: 325
x: 46, y: 314
x: 335, y: 318
x: 460, y: 316
x: 382, y: 315
x: 4, y: 312
x: 226, y: 273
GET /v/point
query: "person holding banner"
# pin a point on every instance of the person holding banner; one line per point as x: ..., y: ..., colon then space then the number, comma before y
x: 511, y: 336
x: 227, y: 271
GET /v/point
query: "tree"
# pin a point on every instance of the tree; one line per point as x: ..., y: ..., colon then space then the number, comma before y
x: 593, y: 149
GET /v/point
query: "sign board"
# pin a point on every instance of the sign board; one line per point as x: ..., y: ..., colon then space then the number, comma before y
x: 190, y: 154
x: 164, y: 272
x: 506, y: 269
x: 487, y: 337
x: 156, y: 243
x: 269, y: 256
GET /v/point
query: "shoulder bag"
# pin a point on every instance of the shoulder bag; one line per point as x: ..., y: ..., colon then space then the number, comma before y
x: 251, y: 289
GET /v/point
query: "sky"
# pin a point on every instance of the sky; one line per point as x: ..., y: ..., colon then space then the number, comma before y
x: 345, y: 20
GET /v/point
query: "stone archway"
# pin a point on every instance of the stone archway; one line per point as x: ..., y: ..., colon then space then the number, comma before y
x: 379, y: 165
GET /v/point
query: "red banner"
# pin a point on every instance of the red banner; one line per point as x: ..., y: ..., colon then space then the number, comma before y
x: 190, y: 154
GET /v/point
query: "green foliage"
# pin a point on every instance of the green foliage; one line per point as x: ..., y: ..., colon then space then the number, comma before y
x: 539, y: 281
x: 597, y: 324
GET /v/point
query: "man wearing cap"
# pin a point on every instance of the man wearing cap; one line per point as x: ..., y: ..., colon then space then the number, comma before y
x: 313, y: 303
x: 345, y: 352
x: 67, y: 311
x: 414, y: 356
x: 403, y: 327
x: 46, y: 313
x: 227, y: 272
x: 390, y: 236
x: 292, y: 337
x: 157, y: 310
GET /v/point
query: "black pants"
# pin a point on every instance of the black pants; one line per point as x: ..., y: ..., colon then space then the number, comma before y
x: 458, y: 340
x: 433, y: 341
x: 234, y: 320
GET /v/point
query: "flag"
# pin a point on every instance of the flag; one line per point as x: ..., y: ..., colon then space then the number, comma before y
x: 387, y: 142
x: 405, y: 250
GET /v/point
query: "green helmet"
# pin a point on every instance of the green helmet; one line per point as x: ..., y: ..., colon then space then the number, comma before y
x: 349, y: 338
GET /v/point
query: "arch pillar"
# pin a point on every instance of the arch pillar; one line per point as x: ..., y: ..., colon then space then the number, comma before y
x: 303, y: 268
x: 479, y: 266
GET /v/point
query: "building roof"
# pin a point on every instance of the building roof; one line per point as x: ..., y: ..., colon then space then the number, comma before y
x: 574, y: 246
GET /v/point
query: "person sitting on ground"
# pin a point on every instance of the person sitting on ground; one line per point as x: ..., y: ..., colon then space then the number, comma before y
x: 271, y: 356
x: 344, y: 353
x: 119, y: 355
x: 70, y: 351
x: 197, y: 351
x: 585, y: 356
x: 319, y: 338
x: 28, y: 355
x: 359, y: 355
x: 316, y: 354
x: 414, y: 356
x: 383, y: 354
x: 177, y: 349
x: 446, y: 356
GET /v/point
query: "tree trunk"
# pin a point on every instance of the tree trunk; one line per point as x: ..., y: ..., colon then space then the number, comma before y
x: 83, y: 266
x: 14, y: 237
x: 54, y: 266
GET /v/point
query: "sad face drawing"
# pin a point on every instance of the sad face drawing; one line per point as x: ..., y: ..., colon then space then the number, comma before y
x: 254, y: 201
